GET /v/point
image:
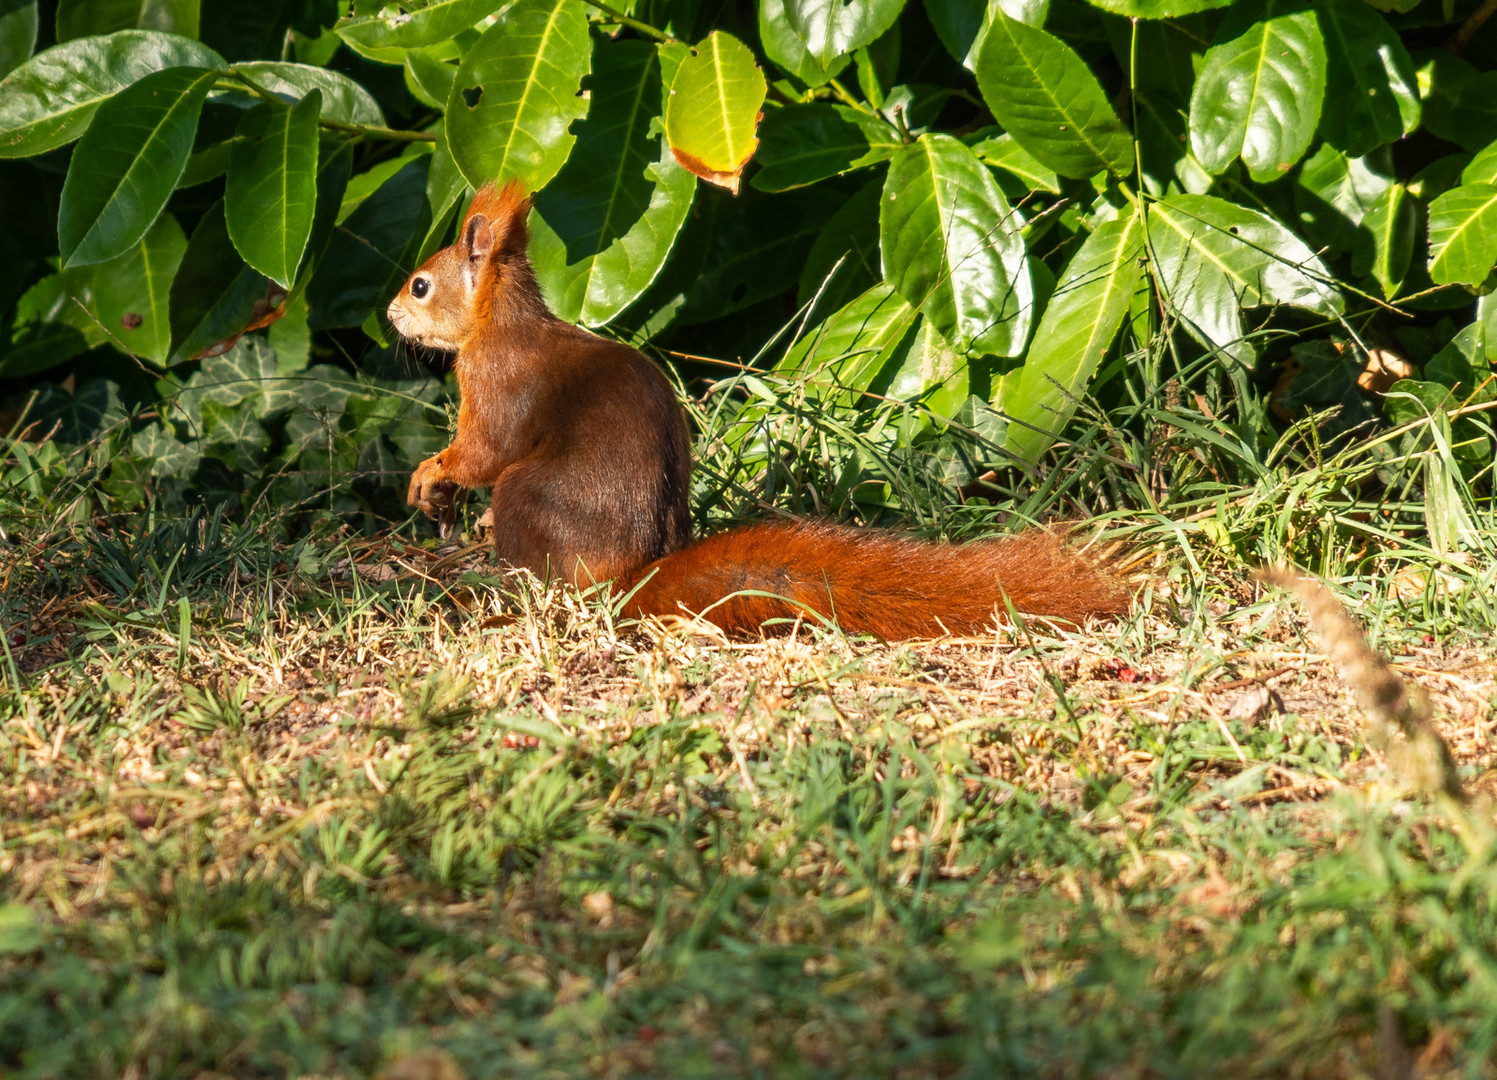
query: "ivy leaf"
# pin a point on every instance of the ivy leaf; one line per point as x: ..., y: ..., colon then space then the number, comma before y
x: 271, y: 190
x: 833, y: 28
x: 602, y: 229
x: 1078, y: 326
x: 412, y: 24
x: 18, y: 28
x: 1384, y: 245
x: 712, y: 110
x: 802, y: 144
x: 128, y: 163
x: 952, y: 246
x: 1377, y: 95
x: 1214, y: 258
x: 1463, y: 234
x: 1045, y: 96
x: 515, y: 97
x: 49, y: 100
x: 1260, y: 92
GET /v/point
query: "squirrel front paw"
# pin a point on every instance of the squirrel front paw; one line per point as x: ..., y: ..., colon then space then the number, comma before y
x: 434, y: 494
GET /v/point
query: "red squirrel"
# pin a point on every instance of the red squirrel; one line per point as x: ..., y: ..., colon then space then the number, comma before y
x: 588, y: 454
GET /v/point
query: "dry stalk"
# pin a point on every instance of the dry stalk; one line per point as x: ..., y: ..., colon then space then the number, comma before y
x: 1399, y: 713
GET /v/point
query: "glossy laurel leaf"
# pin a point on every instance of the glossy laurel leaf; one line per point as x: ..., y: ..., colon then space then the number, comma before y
x: 1377, y: 99
x: 128, y: 163
x: 1463, y: 234
x: 712, y: 114
x: 833, y: 28
x: 49, y: 100
x: 952, y: 247
x: 805, y: 144
x: 516, y: 94
x: 412, y: 24
x: 603, y: 228
x: 1045, y: 96
x: 1078, y: 326
x: 271, y: 192
x: 1260, y: 92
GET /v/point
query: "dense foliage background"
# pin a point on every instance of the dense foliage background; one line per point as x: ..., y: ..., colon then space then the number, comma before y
x: 982, y: 209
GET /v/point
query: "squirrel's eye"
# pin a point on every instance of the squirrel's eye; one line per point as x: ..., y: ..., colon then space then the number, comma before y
x: 420, y: 287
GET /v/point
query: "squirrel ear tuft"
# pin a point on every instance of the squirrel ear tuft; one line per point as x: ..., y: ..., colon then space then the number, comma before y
x: 503, y: 212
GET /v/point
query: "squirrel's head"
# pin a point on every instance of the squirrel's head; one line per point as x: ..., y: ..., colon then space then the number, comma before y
x: 452, y: 294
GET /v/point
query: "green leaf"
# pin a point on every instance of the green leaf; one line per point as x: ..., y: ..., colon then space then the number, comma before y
x: 271, y: 191
x: 1214, y: 258
x: 952, y: 246
x: 833, y: 28
x: 80, y: 18
x: 1078, y: 326
x: 1260, y: 92
x: 1004, y: 152
x: 786, y: 49
x: 214, y: 296
x: 51, y: 324
x: 929, y: 370
x: 1483, y: 167
x: 515, y: 98
x: 1473, y: 121
x: 1157, y: 9
x: 49, y: 100
x: 1045, y: 96
x: 851, y: 347
x: 1333, y: 195
x: 713, y: 110
x: 131, y: 292
x: 850, y: 237
x: 959, y: 24
x: 413, y: 24
x: 1385, y: 242
x: 1376, y: 93
x: 802, y: 144
x: 343, y: 99
x: 603, y: 228
x: 18, y: 27
x: 128, y: 163
x: 372, y: 251
x: 429, y: 77
x: 1463, y: 234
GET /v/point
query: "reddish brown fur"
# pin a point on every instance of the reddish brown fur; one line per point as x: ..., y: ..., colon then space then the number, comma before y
x: 873, y: 582
x: 588, y: 455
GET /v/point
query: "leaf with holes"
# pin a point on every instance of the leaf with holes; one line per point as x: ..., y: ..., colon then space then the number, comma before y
x: 515, y: 98
x: 128, y: 163
x: 1463, y: 234
x: 1045, y: 96
x: 833, y: 28
x: 1259, y: 94
x: 1078, y: 326
x: 952, y: 246
x: 412, y: 24
x: 49, y: 100
x: 1214, y: 258
x: 603, y: 227
x: 271, y: 190
x: 712, y: 111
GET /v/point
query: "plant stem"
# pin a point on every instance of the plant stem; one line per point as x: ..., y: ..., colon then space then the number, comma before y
x: 372, y: 131
x: 633, y: 24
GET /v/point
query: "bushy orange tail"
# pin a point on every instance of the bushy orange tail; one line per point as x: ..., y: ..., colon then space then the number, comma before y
x: 872, y: 582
